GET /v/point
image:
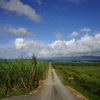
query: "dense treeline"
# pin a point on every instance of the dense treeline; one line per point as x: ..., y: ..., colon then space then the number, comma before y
x: 21, y: 74
x: 86, y: 76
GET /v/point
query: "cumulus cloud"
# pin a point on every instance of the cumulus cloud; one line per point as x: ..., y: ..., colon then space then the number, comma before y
x: 74, y: 34
x: 59, y: 43
x: 85, y: 30
x: 86, y: 45
x: 19, y: 31
x: 58, y: 36
x: 38, y: 1
x: 20, y: 8
x: 20, y: 43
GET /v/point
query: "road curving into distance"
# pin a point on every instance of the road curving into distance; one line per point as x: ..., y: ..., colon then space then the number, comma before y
x: 53, y: 89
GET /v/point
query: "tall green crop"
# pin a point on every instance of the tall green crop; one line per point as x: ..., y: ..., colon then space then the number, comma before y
x: 21, y: 74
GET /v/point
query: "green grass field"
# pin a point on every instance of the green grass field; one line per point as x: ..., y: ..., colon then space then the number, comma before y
x: 86, y: 76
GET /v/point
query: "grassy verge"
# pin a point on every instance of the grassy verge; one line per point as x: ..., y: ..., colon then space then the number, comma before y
x: 14, y: 93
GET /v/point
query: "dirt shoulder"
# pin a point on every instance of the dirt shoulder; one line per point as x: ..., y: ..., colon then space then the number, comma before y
x: 79, y: 95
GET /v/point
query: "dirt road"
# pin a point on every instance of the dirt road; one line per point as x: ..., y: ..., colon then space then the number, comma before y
x: 53, y: 89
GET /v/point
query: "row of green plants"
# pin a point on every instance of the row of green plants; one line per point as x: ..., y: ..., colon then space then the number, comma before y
x: 20, y: 74
x: 86, y: 81
x: 77, y: 63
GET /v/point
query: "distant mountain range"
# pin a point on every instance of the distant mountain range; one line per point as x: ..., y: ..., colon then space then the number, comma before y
x: 81, y: 58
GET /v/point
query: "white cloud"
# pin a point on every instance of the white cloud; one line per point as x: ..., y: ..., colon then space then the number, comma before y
x: 86, y: 45
x: 74, y: 34
x: 38, y: 1
x: 85, y: 30
x: 20, y: 9
x: 58, y: 36
x: 19, y: 31
x: 20, y: 43
x: 59, y: 43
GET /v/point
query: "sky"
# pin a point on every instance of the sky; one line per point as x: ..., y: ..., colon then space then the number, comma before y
x: 49, y: 28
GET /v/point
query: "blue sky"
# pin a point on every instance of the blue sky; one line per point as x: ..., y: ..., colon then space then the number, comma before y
x: 49, y: 28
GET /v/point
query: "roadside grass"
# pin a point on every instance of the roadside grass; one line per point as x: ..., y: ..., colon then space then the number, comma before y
x: 14, y: 93
x: 86, y: 80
